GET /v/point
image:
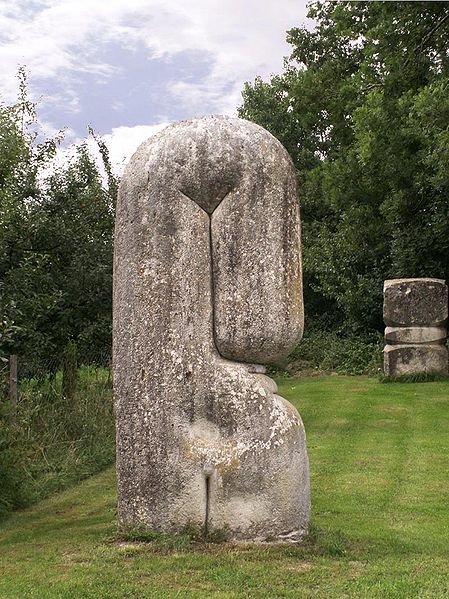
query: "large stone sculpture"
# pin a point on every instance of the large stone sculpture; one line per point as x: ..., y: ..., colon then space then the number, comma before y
x: 207, y: 287
x: 415, y: 312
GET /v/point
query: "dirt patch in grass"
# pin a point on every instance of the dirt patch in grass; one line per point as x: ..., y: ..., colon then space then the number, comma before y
x: 298, y: 566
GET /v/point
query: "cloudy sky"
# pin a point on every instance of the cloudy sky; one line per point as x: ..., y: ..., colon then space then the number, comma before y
x: 129, y: 67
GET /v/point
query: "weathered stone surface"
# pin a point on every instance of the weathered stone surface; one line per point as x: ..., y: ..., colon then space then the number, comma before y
x: 415, y: 302
x: 207, y: 269
x: 415, y: 335
x: 412, y: 359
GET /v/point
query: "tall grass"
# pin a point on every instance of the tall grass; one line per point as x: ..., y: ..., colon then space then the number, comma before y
x: 55, y: 441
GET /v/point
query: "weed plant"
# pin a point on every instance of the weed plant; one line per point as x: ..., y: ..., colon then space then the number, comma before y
x: 415, y: 377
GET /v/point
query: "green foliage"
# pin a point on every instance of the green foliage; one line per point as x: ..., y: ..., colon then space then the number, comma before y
x: 55, y: 443
x: 69, y: 370
x: 326, y: 351
x: 12, y: 494
x: 332, y: 543
x: 363, y: 107
x: 56, y: 230
x: 191, y: 537
x: 160, y: 541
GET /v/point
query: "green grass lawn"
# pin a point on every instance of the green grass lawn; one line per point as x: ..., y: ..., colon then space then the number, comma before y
x: 379, y: 458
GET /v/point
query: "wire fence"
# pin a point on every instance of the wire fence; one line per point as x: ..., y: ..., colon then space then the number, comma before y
x: 63, y: 376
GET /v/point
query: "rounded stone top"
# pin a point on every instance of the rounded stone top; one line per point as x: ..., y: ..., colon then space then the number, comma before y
x: 206, y: 158
x: 243, y: 180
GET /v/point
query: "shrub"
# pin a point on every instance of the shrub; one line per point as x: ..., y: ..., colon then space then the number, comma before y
x: 330, y: 352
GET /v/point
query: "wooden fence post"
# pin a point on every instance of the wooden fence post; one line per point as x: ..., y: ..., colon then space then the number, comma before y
x: 69, y: 370
x: 13, y: 388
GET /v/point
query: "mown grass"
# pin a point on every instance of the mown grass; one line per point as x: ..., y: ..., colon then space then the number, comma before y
x: 379, y: 458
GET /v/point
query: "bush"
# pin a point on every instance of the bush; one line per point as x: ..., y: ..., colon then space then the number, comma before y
x: 329, y: 352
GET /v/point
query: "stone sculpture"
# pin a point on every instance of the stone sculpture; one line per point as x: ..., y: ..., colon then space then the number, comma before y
x: 415, y: 312
x: 207, y: 288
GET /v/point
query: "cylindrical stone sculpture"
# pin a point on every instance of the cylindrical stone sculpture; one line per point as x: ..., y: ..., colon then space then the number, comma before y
x: 415, y: 312
x: 207, y: 288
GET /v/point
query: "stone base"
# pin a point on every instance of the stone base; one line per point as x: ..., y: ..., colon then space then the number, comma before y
x: 413, y: 359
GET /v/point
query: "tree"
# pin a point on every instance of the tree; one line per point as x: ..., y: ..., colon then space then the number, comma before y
x: 20, y: 161
x: 362, y: 107
x: 56, y: 228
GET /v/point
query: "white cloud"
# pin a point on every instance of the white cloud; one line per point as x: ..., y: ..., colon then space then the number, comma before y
x: 122, y: 142
x: 59, y: 40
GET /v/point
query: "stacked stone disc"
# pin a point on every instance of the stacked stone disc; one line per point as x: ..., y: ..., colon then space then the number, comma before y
x: 415, y: 312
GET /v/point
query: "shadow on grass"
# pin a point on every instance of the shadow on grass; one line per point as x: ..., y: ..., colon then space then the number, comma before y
x: 417, y: 377
x: 191, y: 537
x: 318, y: 542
